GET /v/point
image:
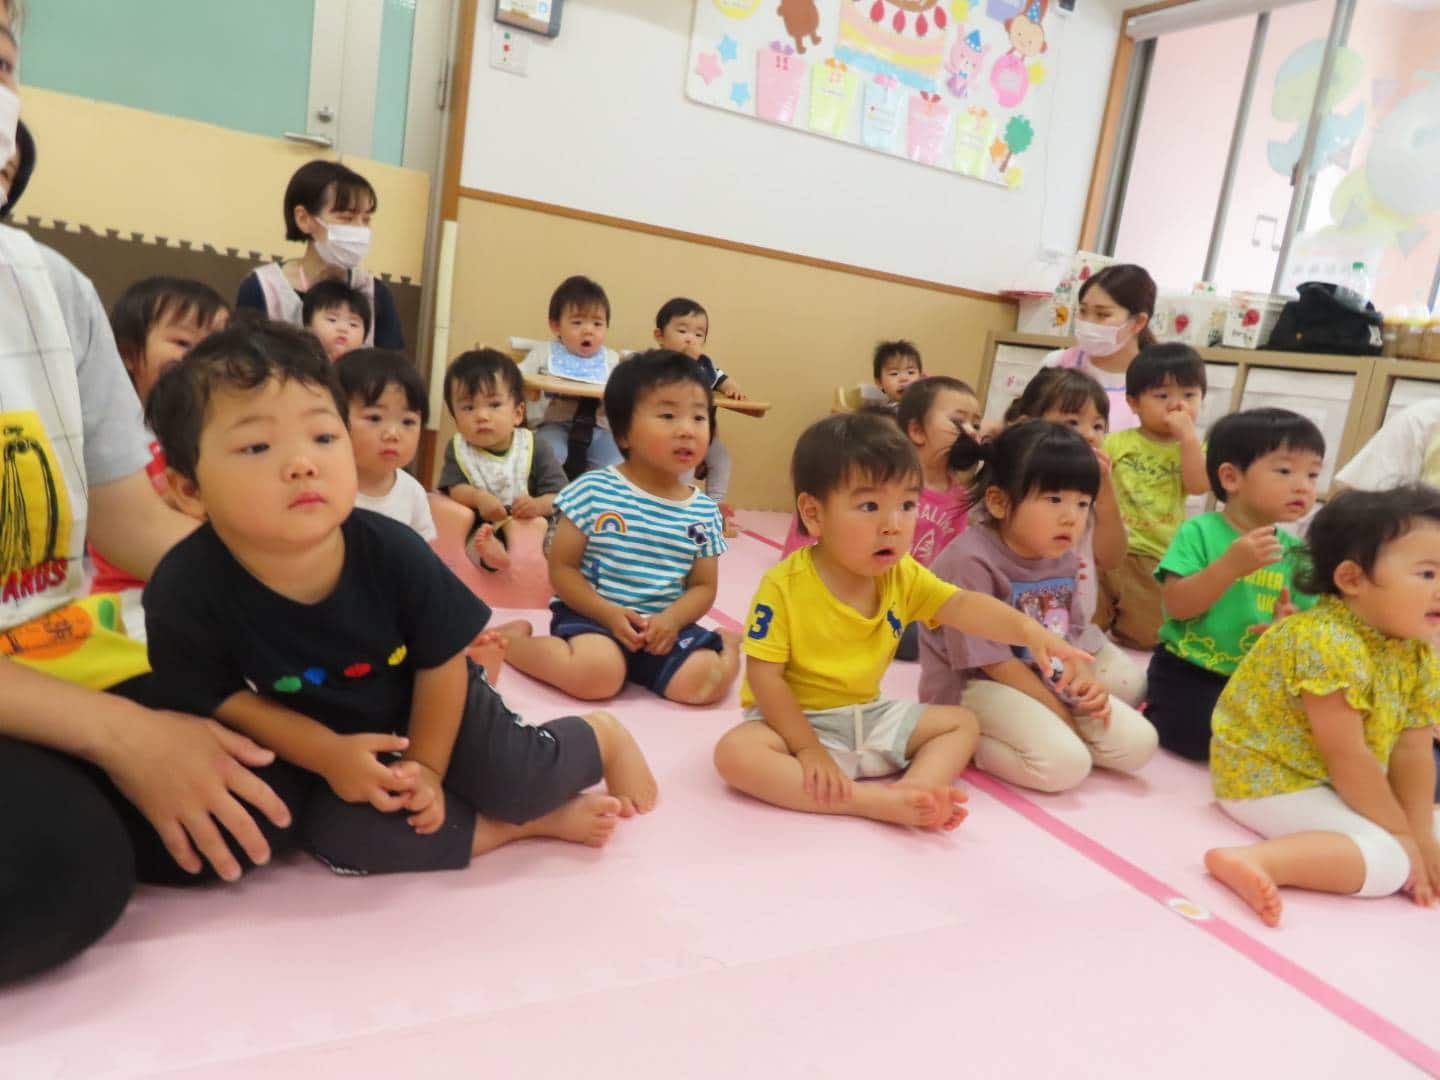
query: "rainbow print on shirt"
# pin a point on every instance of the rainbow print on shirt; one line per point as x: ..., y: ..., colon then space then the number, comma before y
x: 611, y: 522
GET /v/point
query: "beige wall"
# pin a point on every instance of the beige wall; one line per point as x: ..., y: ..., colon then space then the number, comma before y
x: 788, y: 332
x: 108, y: 166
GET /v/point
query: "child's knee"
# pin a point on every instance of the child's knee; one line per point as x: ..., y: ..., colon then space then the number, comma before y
x: 701, y: 680
x: 1387, y: 867
x: 606, y: 728
x: 736, y: 751
x: 1062, y: 767
x: 598, y: 677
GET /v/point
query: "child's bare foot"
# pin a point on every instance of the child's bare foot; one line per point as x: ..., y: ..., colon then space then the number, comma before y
x: 627, y: 773
x: 488, y: 650
x: 585, y: 819
x: 1239, y: 871
x: 949, y: 809
x: 485, y: 550
x: 901, y: 804
x: 509, y: 631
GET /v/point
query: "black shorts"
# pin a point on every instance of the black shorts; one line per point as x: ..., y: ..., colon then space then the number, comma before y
x: 501, y: 768
x: 652, y: 672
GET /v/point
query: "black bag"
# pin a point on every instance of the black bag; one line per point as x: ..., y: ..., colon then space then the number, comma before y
x: 1323, y: 321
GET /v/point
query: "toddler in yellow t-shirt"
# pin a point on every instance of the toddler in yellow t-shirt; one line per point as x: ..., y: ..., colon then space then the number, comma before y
x: 824, y: 626
x: 1322, y: 736
x: 1153, y: 468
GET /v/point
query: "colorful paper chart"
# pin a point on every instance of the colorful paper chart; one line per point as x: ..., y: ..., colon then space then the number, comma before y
x: 957, y: 85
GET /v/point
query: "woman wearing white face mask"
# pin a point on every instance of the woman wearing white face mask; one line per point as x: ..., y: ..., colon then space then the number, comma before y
x: 1111, y: 327
x: 327, y: 207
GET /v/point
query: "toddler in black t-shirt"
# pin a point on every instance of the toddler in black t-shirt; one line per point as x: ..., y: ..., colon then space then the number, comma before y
x: 337, y: 639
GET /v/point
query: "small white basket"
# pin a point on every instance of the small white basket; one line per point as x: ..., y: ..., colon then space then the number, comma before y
x: 1250, y: 319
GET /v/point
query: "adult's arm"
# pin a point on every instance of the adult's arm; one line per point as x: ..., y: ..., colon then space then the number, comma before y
x: 133, y: 525
x: 389, y: 334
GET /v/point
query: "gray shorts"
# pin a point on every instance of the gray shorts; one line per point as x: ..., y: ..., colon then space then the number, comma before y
x: 865, y: 740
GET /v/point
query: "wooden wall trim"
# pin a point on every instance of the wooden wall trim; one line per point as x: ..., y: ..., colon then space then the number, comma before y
x: 459, y: 107
x: 727, y: 245
x: 1110, y: 124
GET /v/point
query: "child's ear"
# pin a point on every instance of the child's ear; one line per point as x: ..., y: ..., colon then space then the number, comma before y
x: 916, y: 432
x: 186, y: 493
x: 1230, y: 477
x: 555, y: 327
x: 519, y: 413
x: 1349, y: 577
x: 659, y: 335
x: 997, y: 503
x: 808, y: 507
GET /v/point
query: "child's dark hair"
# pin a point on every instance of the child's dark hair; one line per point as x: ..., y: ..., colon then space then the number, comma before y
x: 919, y: 398
x: 25, y: 147
x: 365, y: 374
x: 481, y: 371
x: 677, y: 308
x: 329, y: 295
x: 641, y: 373
x: 888, y: 350
x: 307, y: 188
x: 1158, y: 364
x: 851, y: 446
x: 1034, y: 456
x: 1057, y: 389
x: 1133, y: 289
x: 1240, y: 438
x: 1355, y: 525
x: 151, y: 299
x: 578, y: 293
x: 237, y: 358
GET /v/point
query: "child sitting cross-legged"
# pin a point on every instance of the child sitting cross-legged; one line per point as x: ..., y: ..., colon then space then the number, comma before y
x: 494, y: 465
x: 336, y: 638
x: 824, y: 626
x: 1034, y: 495
x: 338, y: 315
x: 1230, y: 574
x: 388, y: 405
x: 635, y: 559
x: 1322, y: 736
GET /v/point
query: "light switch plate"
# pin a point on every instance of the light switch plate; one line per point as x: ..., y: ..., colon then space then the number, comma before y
x: 509, y: 50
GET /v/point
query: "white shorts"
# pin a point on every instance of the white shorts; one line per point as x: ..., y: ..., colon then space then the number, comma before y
x: 865, y: 740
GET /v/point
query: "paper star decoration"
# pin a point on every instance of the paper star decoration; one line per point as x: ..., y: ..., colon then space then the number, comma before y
x: 708, y: 67
x: 728, y: 48
x: 740, y: 94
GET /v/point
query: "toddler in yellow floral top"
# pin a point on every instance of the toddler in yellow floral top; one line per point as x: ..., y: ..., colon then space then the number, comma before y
x: 1321, y: 739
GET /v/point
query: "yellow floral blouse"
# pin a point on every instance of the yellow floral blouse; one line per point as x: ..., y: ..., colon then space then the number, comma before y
x: 1262, y: 743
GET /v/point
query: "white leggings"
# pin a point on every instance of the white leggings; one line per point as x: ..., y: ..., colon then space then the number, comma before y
x: 1321, y: 809
x: 1119, y: 674
x: 1024, y: 743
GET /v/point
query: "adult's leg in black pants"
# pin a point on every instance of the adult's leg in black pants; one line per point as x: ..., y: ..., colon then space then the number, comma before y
x: 67, y: 867
x: 1181, y: 698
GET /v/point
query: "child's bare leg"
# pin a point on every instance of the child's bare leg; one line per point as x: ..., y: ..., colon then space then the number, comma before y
x: 754, y: 759
x: 1323, y: 861
x: 485, y: 549
x: 939, y: 749
x: 589, y: 666
x: 627, y: 774
x: 585, y: 819
x: 706, y: 676
x: 488, y: 650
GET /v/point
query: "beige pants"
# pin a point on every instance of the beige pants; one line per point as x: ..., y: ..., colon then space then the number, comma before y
x: 1023, y: 742
x: 1128, y: 605
x: 1124, y: 678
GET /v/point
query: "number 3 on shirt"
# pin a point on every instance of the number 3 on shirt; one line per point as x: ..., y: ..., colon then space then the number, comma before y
x: 764, y: 613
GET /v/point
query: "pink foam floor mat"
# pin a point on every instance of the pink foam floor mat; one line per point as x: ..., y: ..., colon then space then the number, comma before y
x: 720, y: 937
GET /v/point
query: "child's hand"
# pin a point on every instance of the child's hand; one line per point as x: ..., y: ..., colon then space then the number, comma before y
x: 356, y: 774
x: 824, y: 782
x: 627, y: 626
x: 1283, y: 610
x: 488, y: 507
x: 1420, y: 886
x: 426, y: 800
x: 732, y: 390
x: 1430, y: 856
x: 1105, y: 465
x: 1046, y: 648
x: 660, y: 633
x: 1091, y: 697
x: 1180, y: 423
x: 524, y: 507
x: 1255, y: 549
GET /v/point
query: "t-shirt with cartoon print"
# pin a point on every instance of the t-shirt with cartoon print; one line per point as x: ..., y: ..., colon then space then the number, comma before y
x: 348, y: 661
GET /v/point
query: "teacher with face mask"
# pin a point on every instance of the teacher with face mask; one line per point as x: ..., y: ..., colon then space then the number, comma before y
x: 1111, y: 327
x: 328, y: 207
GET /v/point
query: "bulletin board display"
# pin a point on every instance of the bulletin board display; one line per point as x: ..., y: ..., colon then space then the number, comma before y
x: 952, y: 84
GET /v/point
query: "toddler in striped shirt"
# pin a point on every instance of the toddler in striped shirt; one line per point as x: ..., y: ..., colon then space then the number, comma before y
x: 636, y: 554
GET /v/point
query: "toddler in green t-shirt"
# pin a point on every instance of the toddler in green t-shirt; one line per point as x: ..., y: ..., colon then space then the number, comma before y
x: 1228, y: 575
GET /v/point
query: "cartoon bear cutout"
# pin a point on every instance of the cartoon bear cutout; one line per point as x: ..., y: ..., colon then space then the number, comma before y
x: 802, y: 20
